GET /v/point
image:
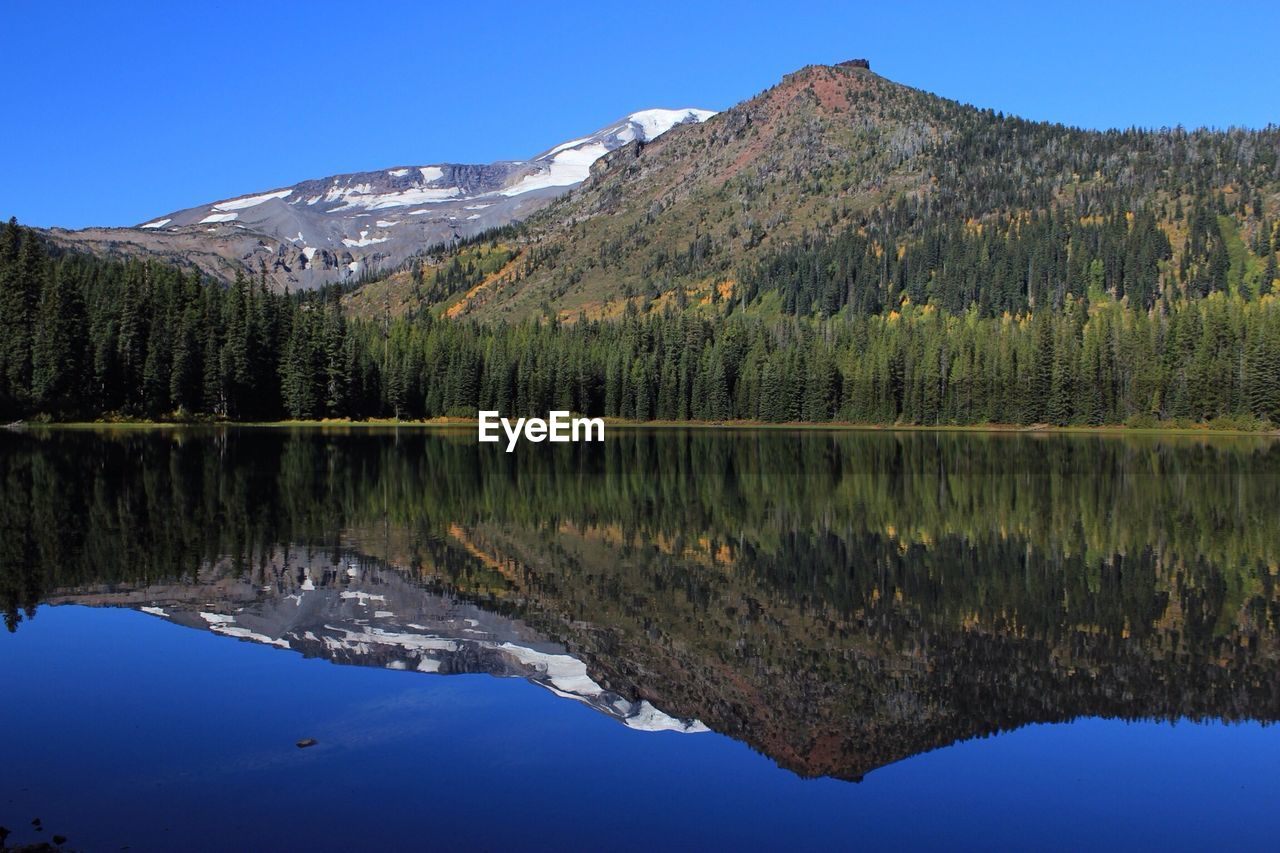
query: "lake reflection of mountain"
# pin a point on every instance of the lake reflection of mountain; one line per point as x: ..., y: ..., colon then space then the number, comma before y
x: 354, y: 614
x: 837, y: 601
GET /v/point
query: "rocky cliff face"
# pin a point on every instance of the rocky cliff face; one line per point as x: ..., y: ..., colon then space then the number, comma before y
x: 343, y: 227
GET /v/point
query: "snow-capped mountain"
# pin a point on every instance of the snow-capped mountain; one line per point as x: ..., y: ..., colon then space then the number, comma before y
x: 336, y: 228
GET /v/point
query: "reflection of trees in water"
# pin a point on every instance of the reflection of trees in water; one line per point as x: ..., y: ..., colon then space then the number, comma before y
x: 837, y: 600
x: 840, y: 685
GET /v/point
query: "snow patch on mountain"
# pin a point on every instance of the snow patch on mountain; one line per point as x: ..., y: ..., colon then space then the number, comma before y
x: 565, y: 146
x: 251, y: 201
x: 361, y: 197
x: 365, y: 240
x: 654, y: 123
x: 565, y: 169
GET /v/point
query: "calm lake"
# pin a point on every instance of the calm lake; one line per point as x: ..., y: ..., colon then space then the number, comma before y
x: 682, y: 639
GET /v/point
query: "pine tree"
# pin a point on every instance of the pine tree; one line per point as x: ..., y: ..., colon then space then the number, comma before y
x: 1040, y: 390
x: 185, y: 369
x: 58, y: 367
x: 22, y: 277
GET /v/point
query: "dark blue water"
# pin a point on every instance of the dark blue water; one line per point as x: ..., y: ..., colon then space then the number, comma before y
x: 138, y: 732
x: 973, y: 696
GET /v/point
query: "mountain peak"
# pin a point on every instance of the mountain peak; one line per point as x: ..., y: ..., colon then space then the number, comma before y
x: 824, y: 143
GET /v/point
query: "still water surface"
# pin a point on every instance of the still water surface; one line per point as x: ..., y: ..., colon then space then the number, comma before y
x: 754, y: 638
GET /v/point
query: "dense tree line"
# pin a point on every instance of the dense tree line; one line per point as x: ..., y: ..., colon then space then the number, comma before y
x: 1213, y: 358
x: 987, y: 162
x: 1021, y: 263
x: 83, y: 337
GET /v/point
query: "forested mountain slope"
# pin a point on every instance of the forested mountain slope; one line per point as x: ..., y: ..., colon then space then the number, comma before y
x: 839, y: 189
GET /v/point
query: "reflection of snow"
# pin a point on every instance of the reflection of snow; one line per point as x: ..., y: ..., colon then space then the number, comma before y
x: 246, y: 634
x: 436, y: 647
x: 361, y: 642
x: 567, y: 676
x: 363, y: 598
x: 222, y: 624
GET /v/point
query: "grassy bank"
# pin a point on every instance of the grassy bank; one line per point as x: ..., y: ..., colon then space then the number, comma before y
x: 1201, y: 429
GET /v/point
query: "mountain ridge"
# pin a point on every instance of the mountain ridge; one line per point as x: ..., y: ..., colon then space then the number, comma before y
x: 839, y: 149
x: 344, y: 227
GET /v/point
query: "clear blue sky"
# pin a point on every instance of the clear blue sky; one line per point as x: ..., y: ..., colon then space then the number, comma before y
x: 117, y: 112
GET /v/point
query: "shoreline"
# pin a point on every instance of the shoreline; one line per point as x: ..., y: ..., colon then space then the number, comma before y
x: 1203, y: 430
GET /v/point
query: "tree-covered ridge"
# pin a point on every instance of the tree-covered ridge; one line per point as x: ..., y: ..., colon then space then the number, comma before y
x: 1032, y: 263
x: 84, y: 337
x: 836, y: 150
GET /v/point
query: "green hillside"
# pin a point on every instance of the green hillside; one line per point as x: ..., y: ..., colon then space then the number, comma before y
x: 838, y: 190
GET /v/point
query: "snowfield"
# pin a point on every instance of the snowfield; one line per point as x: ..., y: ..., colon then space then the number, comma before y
x: 569, y: 167
x: 251, y: 201
x: 654, y: 123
